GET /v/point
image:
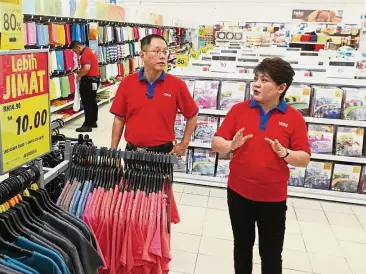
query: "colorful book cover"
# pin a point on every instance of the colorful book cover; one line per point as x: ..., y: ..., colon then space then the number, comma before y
x: 321, y: 138
x: 190, y: 85
x: 362, y: 187
x: 327, y: 102
x: 297, y: 176
x: 349, y: 141
x: 346, y: 178
x: 223, y: 165
x: 181, y: 166
x: 298, y: 96
x: 231, y: 93
x: 206, y: 93
x: 318, y: 175
x: 203, y: 162
x: 179, y: 126
x: 354, y: 105
x: 205, y: 129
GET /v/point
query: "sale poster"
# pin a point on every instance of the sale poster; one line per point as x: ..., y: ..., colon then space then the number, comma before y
x: 24, y: 110
x: 321, y: 16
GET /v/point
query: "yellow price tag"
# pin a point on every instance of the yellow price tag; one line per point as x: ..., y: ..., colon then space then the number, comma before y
x: 24, y: 109
x: 195, y: 54
x: 202, y: 32
x: 11, y: 18
x: 182, y: 61
x: 204, y: 50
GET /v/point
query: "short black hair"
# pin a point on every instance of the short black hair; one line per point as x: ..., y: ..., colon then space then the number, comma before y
x: 75, y: 44
x: 279, y: 70
x: 146, y: 41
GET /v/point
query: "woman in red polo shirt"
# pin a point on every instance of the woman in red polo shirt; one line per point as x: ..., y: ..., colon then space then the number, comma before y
x: 265, y: 135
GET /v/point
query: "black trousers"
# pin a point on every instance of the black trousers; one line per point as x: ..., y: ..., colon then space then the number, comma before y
x: 270, y: 218
x: 88, y: 96
x: 164, y: 148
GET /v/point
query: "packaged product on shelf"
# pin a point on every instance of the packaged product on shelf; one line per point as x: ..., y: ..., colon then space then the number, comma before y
x: 205, y: 93
x: 179, y: 126
x: 189, y: 156
x: 231, y: 93
x: 318, y: 175
x: 298, y: 96
x: 203, y: 162
x: 354, y: 105
x: 321, y: 138
x: 346, y: 178
x: 181, y: 166
x: 326, y: 102
x: 362, y: 187
x: 297, y: 176
x: 349, y: 141
x: 190, y: 85
x: 223, y: 163
x: 205, y: 129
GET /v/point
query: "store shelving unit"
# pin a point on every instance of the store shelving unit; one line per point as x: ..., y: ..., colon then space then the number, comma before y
x: 304, y: 192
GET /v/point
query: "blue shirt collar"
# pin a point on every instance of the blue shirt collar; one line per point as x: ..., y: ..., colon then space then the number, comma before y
x: 282, y: 106
x: 142, y: 77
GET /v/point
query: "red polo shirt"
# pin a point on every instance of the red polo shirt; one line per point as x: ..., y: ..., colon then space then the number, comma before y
x: 88, y: 57
x: 150, y: 109
x: 256, y: 172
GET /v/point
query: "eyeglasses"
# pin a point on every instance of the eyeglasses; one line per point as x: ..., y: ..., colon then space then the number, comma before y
x: 159, y: 52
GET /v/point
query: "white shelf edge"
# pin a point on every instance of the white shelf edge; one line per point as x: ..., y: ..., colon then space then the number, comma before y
x: 297, y: 192
x: 328, y: 157
x: 82, y: 112
x: 338, y: 122
x: 55, y: 109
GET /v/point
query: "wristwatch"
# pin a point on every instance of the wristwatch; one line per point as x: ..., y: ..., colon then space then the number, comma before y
x: 287, y: 154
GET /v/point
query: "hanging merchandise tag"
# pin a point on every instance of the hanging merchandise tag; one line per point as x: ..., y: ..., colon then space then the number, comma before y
x: 24, y: 108
x: 341, y: 69
x: 11, y: 21
x: 202, y: 32
x: 94, y: 86
x: 182, y: 61
x: 223, y: 64
x: 204, y: 50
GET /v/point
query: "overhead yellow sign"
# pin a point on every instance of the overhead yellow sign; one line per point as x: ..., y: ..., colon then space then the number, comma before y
x: 11, y: 19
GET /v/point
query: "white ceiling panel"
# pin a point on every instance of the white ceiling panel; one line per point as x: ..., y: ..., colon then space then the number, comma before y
x: 315, y: 3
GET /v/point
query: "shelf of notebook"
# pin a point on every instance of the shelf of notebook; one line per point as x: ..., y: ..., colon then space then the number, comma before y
x: 298, y: 192
x: 338, y: 122
x: 336, y: 158
x: 55, y: 109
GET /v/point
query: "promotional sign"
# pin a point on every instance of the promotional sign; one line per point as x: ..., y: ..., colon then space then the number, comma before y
x: 11, y: 18
x: 195, y: 54
x: 318, y: 16
x: 341, y: 69
x: 25, y: 108
x: 182, y: 61
x: 223, y: 64
x: 202, y: 32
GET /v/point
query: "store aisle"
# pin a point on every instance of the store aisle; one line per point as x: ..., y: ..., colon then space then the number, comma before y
x: 321, y: 237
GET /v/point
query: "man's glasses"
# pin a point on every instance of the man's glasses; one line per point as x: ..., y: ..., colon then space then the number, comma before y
x: 158, y: 52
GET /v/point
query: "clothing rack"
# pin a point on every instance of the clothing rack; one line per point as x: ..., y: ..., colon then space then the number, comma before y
x: 47, y: 19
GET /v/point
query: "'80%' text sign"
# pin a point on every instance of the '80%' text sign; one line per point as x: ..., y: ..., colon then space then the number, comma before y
x: 24, y: 110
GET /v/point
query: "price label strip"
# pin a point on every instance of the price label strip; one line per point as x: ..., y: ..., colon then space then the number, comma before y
x: 11, y: 18
x: 223, y: 64
x: 25, y: 109
x: 341, y: 69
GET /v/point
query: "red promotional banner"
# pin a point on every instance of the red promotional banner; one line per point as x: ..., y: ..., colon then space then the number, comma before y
x: 23, y: 76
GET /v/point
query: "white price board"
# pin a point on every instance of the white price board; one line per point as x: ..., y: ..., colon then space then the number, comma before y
x: 223, y: 64
x: 341, y: 69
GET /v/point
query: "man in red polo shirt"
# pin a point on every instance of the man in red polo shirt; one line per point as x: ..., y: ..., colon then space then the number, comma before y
x: 147, y: 102
x: 89, y: 80
x: 265, y: 135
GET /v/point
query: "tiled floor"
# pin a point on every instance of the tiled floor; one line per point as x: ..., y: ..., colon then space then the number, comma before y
x: 321, y: 237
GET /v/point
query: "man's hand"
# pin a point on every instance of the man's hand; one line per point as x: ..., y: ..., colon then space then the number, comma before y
x: 239, y: 139
x: 280, y: 150
x: 180, y: 148
x: 78, y: 78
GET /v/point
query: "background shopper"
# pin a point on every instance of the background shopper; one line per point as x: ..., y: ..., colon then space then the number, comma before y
x: 89, y: 81
x: 265, y: 135
x: 147, y: 102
